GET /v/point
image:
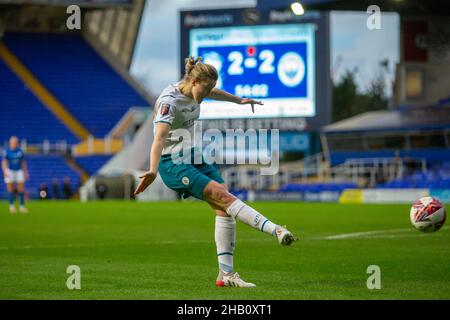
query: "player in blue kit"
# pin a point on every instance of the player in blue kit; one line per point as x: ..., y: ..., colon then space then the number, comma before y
x: 15, y: 171
x: 177, y: 108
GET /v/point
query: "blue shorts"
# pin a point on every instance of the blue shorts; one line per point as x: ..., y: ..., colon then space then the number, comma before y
x: 187, y: 179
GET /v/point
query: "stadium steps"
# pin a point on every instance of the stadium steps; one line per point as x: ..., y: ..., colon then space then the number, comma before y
x: 42, y: 93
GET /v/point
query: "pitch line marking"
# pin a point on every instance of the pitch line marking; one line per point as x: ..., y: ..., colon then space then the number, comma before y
x: 389, y: 233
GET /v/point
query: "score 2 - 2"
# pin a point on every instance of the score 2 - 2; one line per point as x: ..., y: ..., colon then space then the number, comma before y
x: 260, y: 71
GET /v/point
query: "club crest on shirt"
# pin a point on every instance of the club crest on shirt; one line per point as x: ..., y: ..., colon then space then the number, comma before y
x: 185, y: 181
x: 165, y: 108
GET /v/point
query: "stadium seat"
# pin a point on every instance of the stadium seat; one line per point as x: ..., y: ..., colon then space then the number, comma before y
x: 80, y: 79
x: 43, y: 169
x: 317, y: 187
x: 22, y: 114
x: 91, y: 164
x: 438, y: 176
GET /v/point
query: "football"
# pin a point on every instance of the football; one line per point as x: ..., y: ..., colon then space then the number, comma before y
x: 428, y: 214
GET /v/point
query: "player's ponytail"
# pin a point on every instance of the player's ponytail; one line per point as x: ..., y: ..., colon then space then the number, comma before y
x: 189, y: 64
x: 196, y: 69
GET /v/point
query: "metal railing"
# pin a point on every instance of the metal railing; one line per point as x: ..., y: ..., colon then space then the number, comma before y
x: 366, y: 172
x: 45, y: 147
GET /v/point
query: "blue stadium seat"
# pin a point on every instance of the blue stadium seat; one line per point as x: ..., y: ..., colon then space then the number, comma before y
x: 431, y: 155
x: 91, y: 164
x: 317, y: 187
x: 80, y: 78
x: 22, y: 114
x: 43, y: 169
x: 437, y: 177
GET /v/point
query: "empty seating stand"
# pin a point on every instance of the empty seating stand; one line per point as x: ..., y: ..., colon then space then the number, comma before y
x: 77, y: 76
x: 317, y: 187
x: 80, y: 79
x: 22, y: 114
x: 437, y: 177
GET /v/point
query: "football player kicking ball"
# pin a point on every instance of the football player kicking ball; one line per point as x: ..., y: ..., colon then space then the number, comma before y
x: 178, y: 107
x: 15, y: 170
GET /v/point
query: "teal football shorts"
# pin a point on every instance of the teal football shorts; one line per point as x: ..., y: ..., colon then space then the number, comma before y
x: 188, y: 179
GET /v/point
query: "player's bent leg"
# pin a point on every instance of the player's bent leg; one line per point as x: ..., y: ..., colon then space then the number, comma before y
x: 218, y: 195
x: 20, y: 190
x: 219, y: 212
x: 11, y: 197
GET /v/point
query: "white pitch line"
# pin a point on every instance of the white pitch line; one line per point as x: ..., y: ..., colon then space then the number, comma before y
x: 389, y: 233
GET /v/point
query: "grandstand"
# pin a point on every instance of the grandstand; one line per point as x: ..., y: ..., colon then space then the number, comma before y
x: 403, y: 148
x: 81, y: 80
x: 77, y: 86
x: 64, y: 92
x: 21, y: 107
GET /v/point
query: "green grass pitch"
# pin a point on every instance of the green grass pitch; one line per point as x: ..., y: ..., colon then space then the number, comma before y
x: 130, y: 250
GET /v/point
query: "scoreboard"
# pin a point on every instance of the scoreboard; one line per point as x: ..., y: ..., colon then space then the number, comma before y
x: 272, y: 56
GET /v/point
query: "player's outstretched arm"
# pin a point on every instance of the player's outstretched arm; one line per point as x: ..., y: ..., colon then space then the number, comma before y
x: 162, y: 130
x: 220, y: 95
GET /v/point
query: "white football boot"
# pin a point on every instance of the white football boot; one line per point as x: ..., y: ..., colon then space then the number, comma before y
x: 284, y: 236
x: 12, y: 209
x: 232, y: 279
x: 23, y: 210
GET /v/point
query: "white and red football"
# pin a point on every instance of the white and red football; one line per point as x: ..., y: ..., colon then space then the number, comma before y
x: 428, y: 214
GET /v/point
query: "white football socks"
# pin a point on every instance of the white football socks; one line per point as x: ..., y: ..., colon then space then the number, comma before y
x: 251, y: 217
x: 225, y: 237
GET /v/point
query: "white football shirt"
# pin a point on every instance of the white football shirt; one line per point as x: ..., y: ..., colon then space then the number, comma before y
x: 180, y: 112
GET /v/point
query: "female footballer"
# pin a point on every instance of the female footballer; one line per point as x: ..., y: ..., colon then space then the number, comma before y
x: 15, y: 171
x: 178, y: 107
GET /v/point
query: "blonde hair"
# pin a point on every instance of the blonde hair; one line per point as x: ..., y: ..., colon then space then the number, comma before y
x: 195, y: 69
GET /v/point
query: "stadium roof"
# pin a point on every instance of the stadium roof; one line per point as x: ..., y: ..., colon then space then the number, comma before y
x: 393, y: 120
x: 433, y: 7
x: 65, y: 3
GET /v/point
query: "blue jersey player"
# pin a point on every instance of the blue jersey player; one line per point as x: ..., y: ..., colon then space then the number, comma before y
x: 15, y: 171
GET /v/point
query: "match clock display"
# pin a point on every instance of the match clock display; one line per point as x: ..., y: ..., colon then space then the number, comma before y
x: 274, y: 64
